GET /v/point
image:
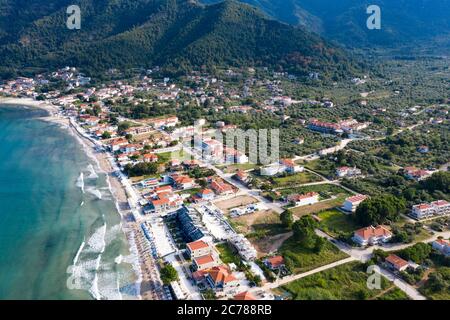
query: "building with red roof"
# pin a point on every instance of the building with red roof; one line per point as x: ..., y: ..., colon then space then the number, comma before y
x: 396, y: 263
x: 244, y: 296
x: 274, y: 263
x: 371, y: 235
x: 352, y: 203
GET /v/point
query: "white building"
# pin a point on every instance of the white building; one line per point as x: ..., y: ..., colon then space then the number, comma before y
x: 426, y: 210
x: 304, y: 199
x: 442, y: 246
x: 371, y: 235
x: 351, y: 203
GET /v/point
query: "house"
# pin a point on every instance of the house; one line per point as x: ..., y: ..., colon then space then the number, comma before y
x: 197, y: 249
x: 242, y: 176
x: 150, y: 157
x: 423, y: 149
x: 204, y: 195
x: 290, y: 166
x: 324, y: 127
x: 205, y: 262
x: 413, y: 173
x: 163, y: 200
x: 396, y: 263
x: 304, y: 199
x: 274, y: 263
x: 284, y: 165
x: 181, y: 182
x: 351, y: 203
x: 128, y: 148
x: 116, y: 144
x: 442, y: 246
x: 371, y: 235
x: 221, y: 188
x: 422, y: 210
x: 221, y: 277
x: 342, y: 172
x: 425, y: 210
x: 234, y: 156
x: 272, y: 170
x: 244, y: 296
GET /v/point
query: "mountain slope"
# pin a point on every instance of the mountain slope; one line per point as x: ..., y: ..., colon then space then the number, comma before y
x: 403, y: 21
x: 177, y: 34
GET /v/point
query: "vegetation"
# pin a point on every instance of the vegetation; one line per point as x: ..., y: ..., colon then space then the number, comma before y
x: 379, y: 210
x: 168, y: 274
x: 176, y: 34
x: 337, y: 223
x: 301, y: 259
x: 287, y: 219
x: 141, y: 169
x: 344, y: 282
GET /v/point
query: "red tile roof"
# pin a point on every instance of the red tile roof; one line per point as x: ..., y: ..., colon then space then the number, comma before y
x: 276, y: 261
x: 196, y: 245
x: 357, y: 198
x: 244, y: 296
x: 204, y: 260
x: 396, y: 261
x: 221, y: 274
x: 367, y: 233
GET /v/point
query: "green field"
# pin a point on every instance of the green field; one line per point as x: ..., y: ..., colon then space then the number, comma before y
x: 295, y: 179
x: 345, y: 282
x: 227, y: 254
x: 305, y: 259
x: 334, y: 222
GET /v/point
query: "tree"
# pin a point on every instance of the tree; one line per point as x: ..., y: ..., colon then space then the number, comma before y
x: 319, y: 245
x: 380, y: 209
x: 106, y: 135
x: 417, y: 253
x: 439, y: 181
x: 287, y: 219
x: 304, y: 231
x: 168, y: 274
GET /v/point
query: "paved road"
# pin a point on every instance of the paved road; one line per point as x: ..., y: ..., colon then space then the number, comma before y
x: 291, y: 278
x: 364, y: 254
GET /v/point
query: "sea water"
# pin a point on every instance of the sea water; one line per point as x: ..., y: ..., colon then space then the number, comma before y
x: 60, y: 231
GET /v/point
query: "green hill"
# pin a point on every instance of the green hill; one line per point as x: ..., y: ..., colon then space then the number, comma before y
x: 176, y: 34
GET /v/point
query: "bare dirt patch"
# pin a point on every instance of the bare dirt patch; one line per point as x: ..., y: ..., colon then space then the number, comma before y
x: 268, y: 245
x: 240, y: 201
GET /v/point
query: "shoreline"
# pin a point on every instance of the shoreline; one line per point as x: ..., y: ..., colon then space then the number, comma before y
x: 119, y: 194
x: 145, y: 283
x: 103, y: 162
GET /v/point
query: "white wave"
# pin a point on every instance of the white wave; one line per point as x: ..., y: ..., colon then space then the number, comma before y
x: 93, y: 174
x: 97, y: 193
x: 94, y: 288
x: 96, y: 242
x: 77, y: 256
x: 82, y: 203
x: 118, y: 259
x: 80, y: 182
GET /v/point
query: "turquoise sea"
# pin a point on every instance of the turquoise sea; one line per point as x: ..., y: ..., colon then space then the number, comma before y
x: 60, y: 232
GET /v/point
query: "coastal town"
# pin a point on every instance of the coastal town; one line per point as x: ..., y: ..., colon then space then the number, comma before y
x: 210, y: 223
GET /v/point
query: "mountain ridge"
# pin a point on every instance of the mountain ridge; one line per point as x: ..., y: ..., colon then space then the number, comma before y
x: 177, y: 34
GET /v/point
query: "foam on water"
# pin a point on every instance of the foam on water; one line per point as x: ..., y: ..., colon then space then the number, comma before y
x: 80, y: 182
x: 93, y: 174
x: 96, y: 192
